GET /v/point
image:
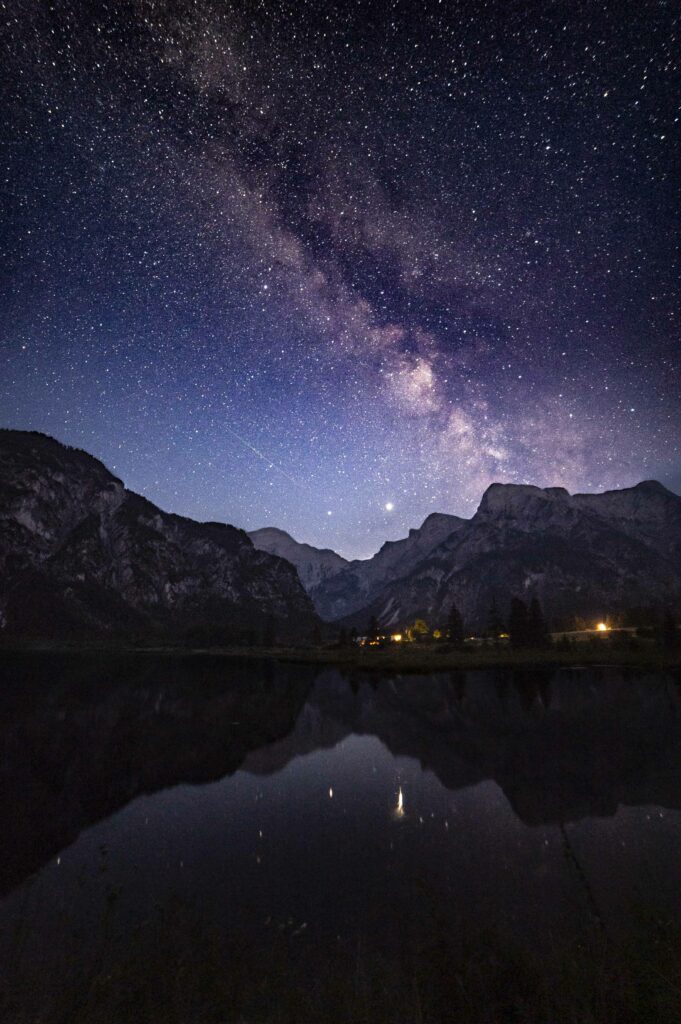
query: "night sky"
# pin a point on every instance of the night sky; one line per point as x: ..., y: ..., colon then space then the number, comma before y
x: 334, y: 267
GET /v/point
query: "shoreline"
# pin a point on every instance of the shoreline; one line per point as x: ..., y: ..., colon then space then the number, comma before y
x: 417, y: 659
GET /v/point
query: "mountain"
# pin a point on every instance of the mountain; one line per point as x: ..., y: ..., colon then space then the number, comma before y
x: 361, y: 581
x: 82, y: 557
x: 581, y: 554
x: 314, y: 565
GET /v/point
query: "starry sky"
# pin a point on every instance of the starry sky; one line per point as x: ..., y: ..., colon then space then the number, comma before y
x: 332, y: 267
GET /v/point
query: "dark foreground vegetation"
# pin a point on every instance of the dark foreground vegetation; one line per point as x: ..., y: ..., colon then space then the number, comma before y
x: 179, y: 971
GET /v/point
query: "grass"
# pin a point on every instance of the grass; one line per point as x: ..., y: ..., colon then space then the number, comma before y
x: 413, y: 657
x: 441, y: 658
x: 179, y: 969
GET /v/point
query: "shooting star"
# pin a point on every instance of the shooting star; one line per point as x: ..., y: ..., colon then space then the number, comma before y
x: 264, y: 458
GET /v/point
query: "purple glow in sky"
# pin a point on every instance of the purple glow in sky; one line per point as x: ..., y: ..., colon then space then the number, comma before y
x: 271, y: 262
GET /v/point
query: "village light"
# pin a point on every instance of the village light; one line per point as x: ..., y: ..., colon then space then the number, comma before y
x: 396, y: 637
x: 602, y: 628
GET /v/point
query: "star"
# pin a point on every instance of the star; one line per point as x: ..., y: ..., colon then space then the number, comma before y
x: 267, y: 275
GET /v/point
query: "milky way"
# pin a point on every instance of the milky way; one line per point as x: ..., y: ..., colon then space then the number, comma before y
x: 334, y: 267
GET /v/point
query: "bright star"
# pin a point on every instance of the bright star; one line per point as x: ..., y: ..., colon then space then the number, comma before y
x: 389, y: 506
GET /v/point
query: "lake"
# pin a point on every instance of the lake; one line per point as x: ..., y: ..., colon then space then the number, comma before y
x: 190, y: 839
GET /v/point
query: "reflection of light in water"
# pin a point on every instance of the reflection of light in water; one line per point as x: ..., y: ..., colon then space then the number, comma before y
x: 399, y: 810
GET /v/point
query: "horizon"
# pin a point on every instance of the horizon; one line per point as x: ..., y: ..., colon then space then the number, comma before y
x: 386, y: 539
x: 434, y: 512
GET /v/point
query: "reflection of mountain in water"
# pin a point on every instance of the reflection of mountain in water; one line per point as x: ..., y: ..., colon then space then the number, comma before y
x: 81, y: 739
x: 562, y: 745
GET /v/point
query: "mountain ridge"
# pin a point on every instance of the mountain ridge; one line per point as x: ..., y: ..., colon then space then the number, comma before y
x: 579, y: 554
x: 83, y: 557
x: 313, y: 564
x: 357, y: 584
x: 78, y: 548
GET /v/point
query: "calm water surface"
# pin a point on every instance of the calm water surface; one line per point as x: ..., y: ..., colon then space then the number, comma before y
x: 200, y: 840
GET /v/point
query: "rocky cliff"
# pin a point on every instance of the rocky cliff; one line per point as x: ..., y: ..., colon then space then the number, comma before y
x: 314, y: 565
x: 358, y: 584
x: 582, y: 554
x: 82, y: 557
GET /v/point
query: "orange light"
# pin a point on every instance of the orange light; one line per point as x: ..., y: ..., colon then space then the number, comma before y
x: 602, y: 628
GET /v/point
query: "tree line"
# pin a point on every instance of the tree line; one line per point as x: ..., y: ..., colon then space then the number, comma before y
x: 524, y: 627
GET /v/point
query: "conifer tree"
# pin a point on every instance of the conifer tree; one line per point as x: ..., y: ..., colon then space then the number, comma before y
x: 518, y: 623
x: 455, y: 627
x: 538, y: 634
